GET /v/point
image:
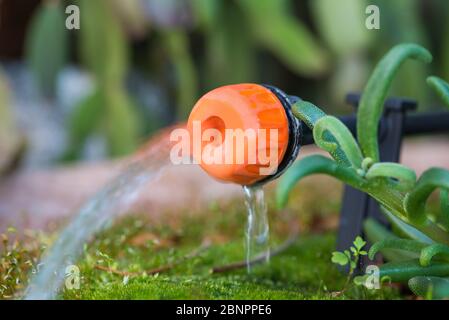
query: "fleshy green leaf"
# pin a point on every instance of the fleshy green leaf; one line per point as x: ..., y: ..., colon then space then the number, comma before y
x: 405, y: 270
x: 205, y: 12
x: 404, y: 177
x: 444, y: 204
x: 375, y: 92
x: 46, y: 45
x: 344, y: 38
x: 104, y: 50
x: 431, y: 251
x: 186, y: 78
x: 288, y: 38
x: 375, y: 232
x: 430, y: 287
x: 229, y: 43
x: 311, y: 115
x: 397, y: 26
x: 103, y: 44
x: 341, y: 141
x: 122, y: 123
x: 339, y: 258
x: 307, y: 112
x: 415, y: 202
x: 406, y: 229
x: 441, y: 87
x: 311, y: 165
x: 401, y: 244
x: 84, y: 119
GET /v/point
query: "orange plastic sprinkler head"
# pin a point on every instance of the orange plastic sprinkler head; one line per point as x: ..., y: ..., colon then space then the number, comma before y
x: 253, y: 127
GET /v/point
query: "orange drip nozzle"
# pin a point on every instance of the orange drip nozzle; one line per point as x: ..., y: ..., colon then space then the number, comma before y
x: 262, y: 115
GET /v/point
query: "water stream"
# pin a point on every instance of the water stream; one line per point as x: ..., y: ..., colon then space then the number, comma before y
x: 95, y: 215
x: 115, y: 198
x: 257, y: 229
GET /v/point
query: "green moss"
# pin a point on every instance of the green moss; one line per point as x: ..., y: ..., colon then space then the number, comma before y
x: 303, y: 271
x: 137, y: 245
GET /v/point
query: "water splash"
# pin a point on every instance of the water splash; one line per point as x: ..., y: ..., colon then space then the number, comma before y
x: 100, y: 210
x: 257, y: 229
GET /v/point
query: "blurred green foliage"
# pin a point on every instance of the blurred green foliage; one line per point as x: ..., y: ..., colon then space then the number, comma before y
x: 319, y: 50
x: 46, y: 45
x: 11, y: 143
x: 104, y: 50
x: 177, y: 44
x: 279, y: 31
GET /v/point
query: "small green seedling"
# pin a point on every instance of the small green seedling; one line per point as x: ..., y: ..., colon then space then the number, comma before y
x: 350, y: 257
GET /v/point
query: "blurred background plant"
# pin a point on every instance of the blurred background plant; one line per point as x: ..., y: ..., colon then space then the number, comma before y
x: 138, y: 65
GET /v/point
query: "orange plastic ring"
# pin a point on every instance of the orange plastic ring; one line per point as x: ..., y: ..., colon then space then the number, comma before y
x: 239, y: 107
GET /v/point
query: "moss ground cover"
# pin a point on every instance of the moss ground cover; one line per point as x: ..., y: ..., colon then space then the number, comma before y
x: 123, y: 261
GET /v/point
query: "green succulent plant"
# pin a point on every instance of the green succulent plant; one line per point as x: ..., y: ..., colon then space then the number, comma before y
x: 422, y: 256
